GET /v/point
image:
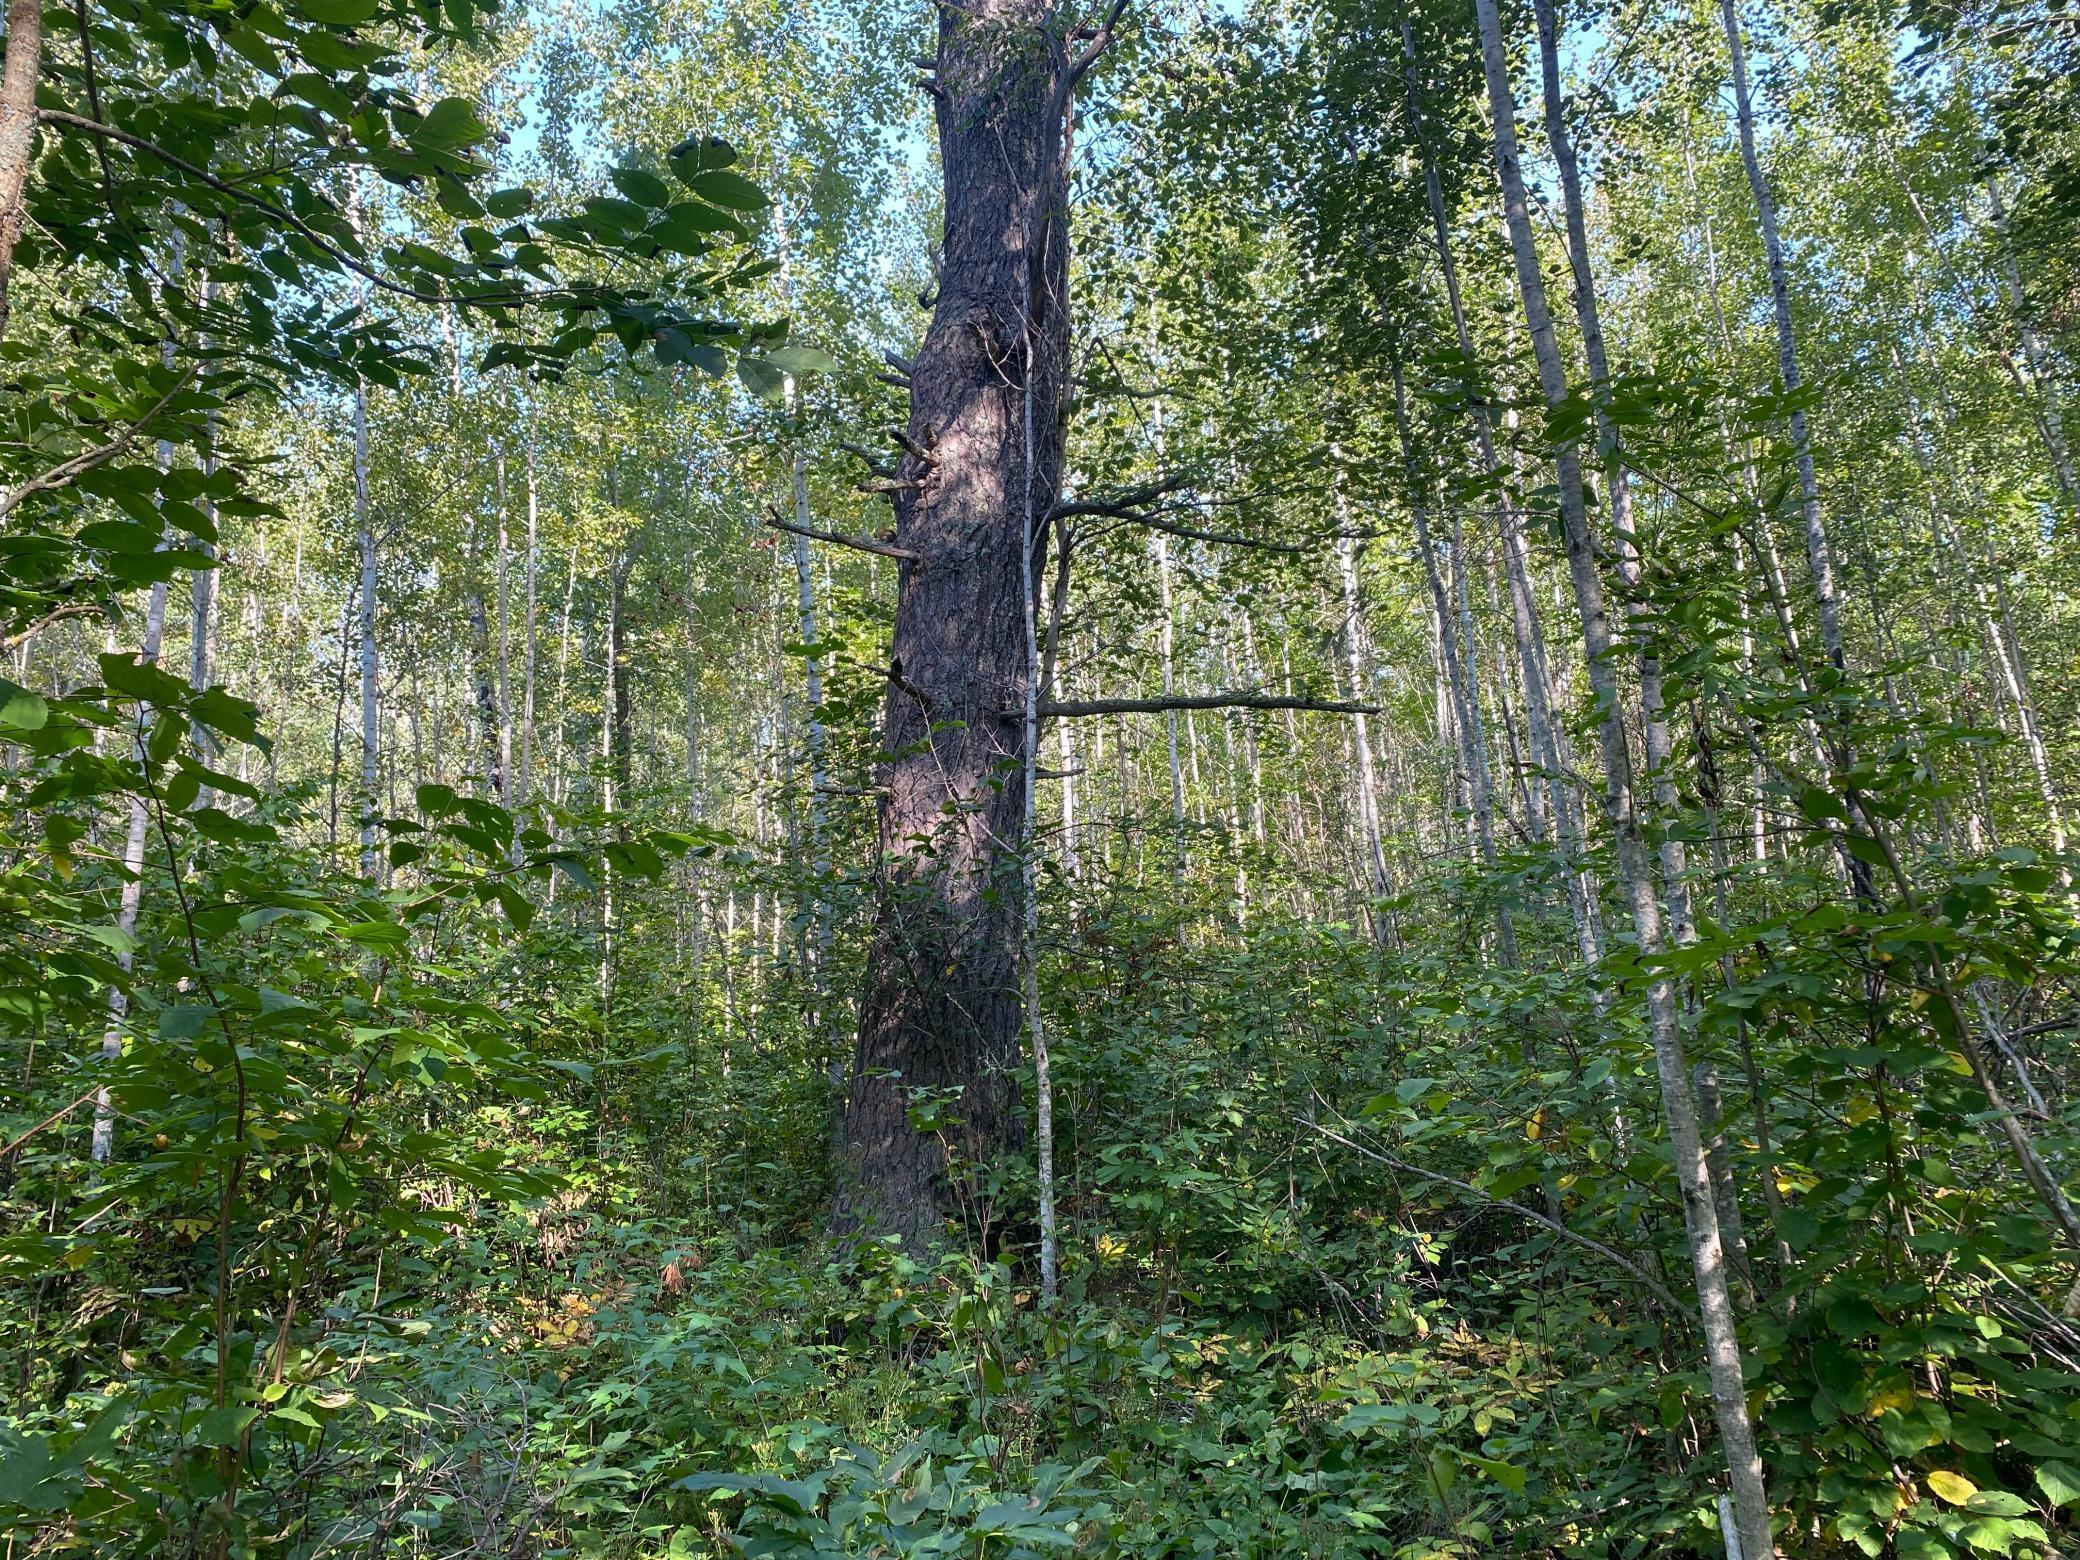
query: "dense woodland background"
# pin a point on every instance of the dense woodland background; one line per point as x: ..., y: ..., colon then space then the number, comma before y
x: 1489, y: 966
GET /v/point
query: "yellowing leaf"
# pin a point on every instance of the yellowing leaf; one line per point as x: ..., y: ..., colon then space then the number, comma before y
x: 1953, y: 1487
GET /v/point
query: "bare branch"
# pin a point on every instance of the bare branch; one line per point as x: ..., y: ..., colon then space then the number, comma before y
x: 868, y: 458
x: 72, y: 609
x: 1153, y: 520
x: 1653, y: 1285
x: 924, y: 456
x: 1125, y: 504
x: 1100, y: 41
x: 865, y: 544
x: 66, y: 471
x: 1240, y: 699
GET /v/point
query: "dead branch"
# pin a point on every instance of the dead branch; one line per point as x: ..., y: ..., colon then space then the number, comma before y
x: 1240, y: 699
x: 864, y: 544
x: 1653, y: 1285
x: 868, y: 458
x: 66, y: 471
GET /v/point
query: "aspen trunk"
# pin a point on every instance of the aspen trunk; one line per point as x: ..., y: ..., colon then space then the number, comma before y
x: 132, y: 897
x: 812, y: 673
x: 2050, y: 416
x: 1361, y: 731
x: 1166, y: 639
x: 365, y: 537
x: 1660, y: 748
x: 505, y: 649
x: 1473, y: 743
x: 1700, y: 1217
x: 1818, y: 557
x: 523, y: 779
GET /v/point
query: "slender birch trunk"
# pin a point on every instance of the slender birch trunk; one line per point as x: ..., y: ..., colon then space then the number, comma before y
x: 1589, y: 315
x: 132, y: 897
x: 812, y: 672
x: 1361, y: 730
x: 505, y: 647
x: 1700, y: 1216
x: 1029, y: 885
x: 2050, y: 416
x: 365, y: 536
x: 523, y: 779
x: 1473, y: 742
x: 1167, y: 643
x: 1818, y: 556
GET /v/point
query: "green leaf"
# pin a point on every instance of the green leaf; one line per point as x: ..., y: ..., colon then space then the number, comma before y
x: 1854, y: 1317
x: 2059, y: 1481
x: 21, y: 710
x: 760, y: 377
x: 1995, y: 1503
x: 338, y: 13
x: 1508, y: 1475
x: 319, y: 92
x: 1868, y: 851
x: 674, y: 346
x: 451, y: 125
x: 697, y: 155
x: 645, y: 189
x: 684, y: 228
x: 801, y: 360
x: 1819, y: 806
x: 223, y: 1426
x: 183, y: 1023
x: 722, y: 188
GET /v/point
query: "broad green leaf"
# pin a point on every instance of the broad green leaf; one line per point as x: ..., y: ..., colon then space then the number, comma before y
x: 645, y: 189
x: 20, y: 709
x: 2059, y: 1481
x: 725, y: 188
x: 337, y: 13
x: 801, y: 360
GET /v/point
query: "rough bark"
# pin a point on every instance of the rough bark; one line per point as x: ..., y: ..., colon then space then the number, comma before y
x: 941, y: 1011
x: 17, y: 130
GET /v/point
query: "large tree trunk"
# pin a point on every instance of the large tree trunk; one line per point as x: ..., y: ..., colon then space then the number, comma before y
x: 17, y: 129
x: 940, y: 1016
